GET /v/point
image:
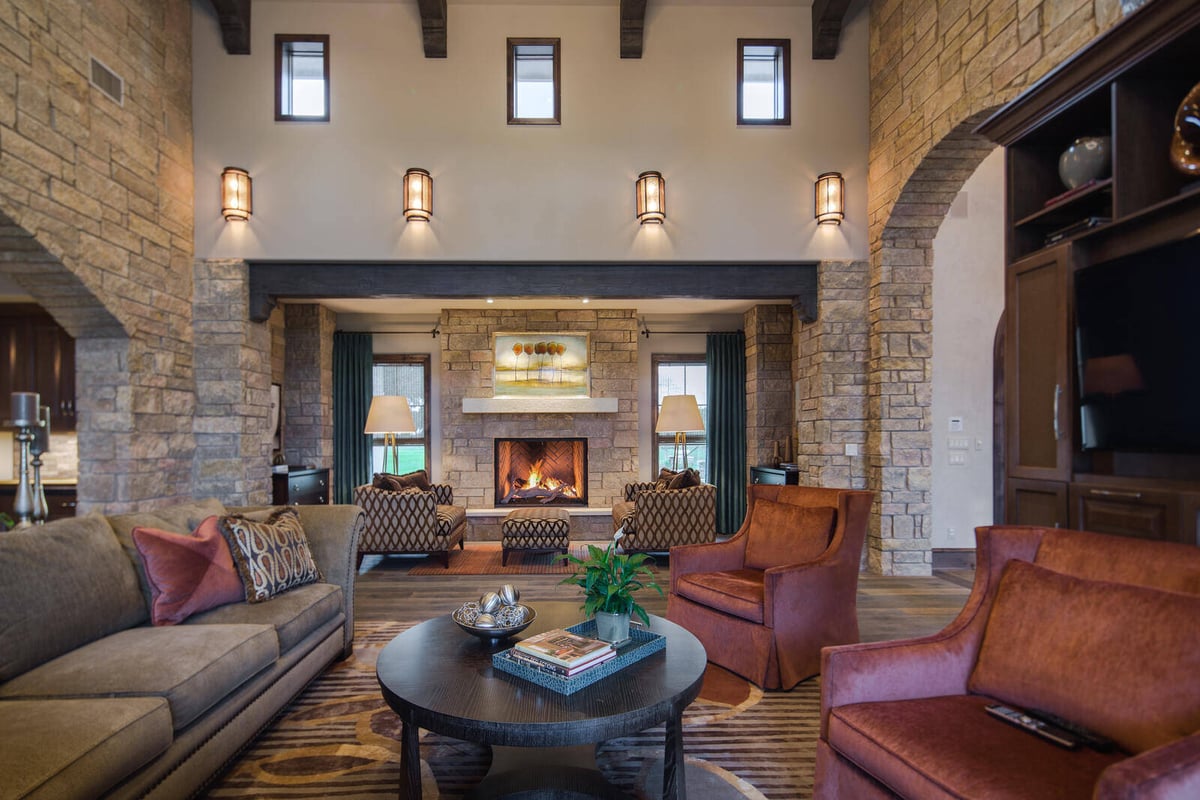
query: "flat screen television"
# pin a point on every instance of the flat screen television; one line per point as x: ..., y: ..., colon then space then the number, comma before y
x: 1137, y: 341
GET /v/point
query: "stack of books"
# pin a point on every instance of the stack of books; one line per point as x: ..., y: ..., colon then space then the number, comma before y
x: 560, y: 652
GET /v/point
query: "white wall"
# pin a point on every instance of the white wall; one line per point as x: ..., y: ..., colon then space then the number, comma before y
x: 333, y: 190
x: 968, y: 299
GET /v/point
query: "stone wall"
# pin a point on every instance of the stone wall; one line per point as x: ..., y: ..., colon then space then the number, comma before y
x: 308, y: 385
x: 467, y: 362
x: 936, y: 69
x: 96, y: 225
x: 769, y: 422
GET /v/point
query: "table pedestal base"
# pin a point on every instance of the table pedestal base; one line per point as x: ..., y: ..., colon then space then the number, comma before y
x: 542, y: 773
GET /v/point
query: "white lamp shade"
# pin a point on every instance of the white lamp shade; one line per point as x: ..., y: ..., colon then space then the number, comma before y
x: 679, y: 412
x: 389, y: 414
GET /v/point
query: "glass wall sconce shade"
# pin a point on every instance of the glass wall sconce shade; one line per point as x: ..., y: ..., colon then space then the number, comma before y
x: 236, y: 200
x: 679, y: 414
x: 651, y: 198
x: 418, y: 195
x: 830, y: 207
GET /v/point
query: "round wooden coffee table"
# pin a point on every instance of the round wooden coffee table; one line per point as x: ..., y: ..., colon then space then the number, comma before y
x: 436, y: 676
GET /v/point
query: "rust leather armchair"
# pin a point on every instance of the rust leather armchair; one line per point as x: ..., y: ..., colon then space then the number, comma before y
x: 766, y: 601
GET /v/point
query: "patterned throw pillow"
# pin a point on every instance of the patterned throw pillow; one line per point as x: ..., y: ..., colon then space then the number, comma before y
x: 663, y: 481
x: 418, y: 479
x: 187, y: 573
x: 272, y: 556
x: 685, y: 479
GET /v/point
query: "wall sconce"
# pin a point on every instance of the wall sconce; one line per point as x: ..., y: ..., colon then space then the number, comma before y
x: 236, y: 201
x: 651, y: 198
x: 418, y: 195
x: 830, y: 207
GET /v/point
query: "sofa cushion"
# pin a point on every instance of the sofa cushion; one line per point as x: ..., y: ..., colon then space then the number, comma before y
x: 62, y: 585
x: 449, y: 518
x: 738, y: 592
x: 178, y: 518
x: 51, y: 749
x: 272, y: 556
x: 187, y: 574
x: 1118, y: 659
x: 949, y: 747
x: 294, y: 614
x: 192, y: 666
x: 782, y: 533
x: 1158, y: 565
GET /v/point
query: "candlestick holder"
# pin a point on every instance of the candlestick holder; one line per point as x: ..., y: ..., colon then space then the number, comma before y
x: 25, y: 418
x: 40, y: 445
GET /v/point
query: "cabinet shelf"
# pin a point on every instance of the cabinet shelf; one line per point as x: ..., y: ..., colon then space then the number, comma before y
x: 1088, y: 202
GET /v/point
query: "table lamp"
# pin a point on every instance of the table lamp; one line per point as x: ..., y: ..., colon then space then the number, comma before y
x: 679, y: 414
x: 389, y: 415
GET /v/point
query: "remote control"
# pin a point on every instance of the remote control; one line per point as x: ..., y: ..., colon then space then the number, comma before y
x: 1051, y: 733
x: 1086, y: 737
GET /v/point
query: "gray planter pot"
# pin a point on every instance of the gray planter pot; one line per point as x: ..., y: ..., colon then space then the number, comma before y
x: 612, y: 627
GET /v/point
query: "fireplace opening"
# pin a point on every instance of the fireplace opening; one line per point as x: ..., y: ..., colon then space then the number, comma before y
x: 541, y: 471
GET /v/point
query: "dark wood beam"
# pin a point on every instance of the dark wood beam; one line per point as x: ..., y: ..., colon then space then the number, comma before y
x: 433, y: 27
x: 633, y: 23
x: 827, y: 16
x: 234, y: 17
x: 272, y: 281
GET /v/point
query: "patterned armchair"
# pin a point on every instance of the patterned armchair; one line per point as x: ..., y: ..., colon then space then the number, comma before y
x: 410, y: 521
x: 659, y: 519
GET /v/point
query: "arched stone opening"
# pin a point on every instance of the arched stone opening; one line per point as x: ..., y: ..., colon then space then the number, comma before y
x: 900, y: 367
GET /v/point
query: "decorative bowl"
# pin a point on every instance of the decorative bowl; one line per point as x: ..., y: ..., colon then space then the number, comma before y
x: 464, y: 616
x: 1088, y: 158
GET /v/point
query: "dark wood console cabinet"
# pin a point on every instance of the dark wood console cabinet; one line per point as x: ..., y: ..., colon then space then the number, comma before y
x: 779, y: 476
x: 1126, y: 84
x: 300, y: 487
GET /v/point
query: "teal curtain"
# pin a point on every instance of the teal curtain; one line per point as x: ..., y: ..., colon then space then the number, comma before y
x: 726, y: 361
x: 353, y: 361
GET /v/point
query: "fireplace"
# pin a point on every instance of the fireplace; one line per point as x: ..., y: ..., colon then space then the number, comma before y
x: 531, y: 471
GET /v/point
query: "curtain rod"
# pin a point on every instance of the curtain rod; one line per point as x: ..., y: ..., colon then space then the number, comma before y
x: 646, y: 332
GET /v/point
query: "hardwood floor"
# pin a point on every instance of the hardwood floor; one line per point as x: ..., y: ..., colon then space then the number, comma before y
x: 888, y: 607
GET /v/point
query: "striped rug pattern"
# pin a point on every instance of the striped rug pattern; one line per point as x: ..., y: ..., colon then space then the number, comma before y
x: 339, y: 739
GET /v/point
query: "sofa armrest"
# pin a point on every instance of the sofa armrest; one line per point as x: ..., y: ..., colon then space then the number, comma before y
x: 707, y: 557
x: 1169, y: 772
x: 333, y: 533
x: 632, y: 490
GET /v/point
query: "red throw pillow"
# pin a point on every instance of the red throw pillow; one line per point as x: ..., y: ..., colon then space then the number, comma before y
x: 187, y: 573
x: 781, y: 533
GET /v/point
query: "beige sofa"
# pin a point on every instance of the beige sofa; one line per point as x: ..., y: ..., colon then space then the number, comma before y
x: 96, y: 701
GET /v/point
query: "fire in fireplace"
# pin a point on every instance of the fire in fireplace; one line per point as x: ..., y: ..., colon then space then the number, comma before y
x: 541, y: 471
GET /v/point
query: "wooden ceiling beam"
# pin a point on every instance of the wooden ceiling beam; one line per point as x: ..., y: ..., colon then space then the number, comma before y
x: 827, y: 17
x: 433, y: 27
x: 234, y: 18
x: 633, y: 24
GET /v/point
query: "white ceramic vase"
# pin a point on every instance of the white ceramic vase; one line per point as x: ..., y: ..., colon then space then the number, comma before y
x: 612, y: 627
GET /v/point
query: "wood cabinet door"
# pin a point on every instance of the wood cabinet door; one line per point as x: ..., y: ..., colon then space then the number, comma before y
x: 1126, y: 511
x: 1037, y: 503
x: 1038, y: 394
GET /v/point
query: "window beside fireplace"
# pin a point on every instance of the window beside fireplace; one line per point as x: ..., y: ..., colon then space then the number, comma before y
x: 533, y: 471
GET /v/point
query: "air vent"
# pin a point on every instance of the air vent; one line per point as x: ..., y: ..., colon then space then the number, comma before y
x: 108, y: 82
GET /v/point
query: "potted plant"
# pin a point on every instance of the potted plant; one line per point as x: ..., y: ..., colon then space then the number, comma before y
x: 608, y: 580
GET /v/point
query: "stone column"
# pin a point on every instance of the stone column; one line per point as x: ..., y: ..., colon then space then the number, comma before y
x: 308, y: 385
x: 769, y: 413
x: 233, y: 382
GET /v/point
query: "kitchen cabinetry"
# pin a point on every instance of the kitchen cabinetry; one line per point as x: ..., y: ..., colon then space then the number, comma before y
x: 1125, y: 85
x: 60, y: 499
x: 37, y: 355
x: 300, y: 487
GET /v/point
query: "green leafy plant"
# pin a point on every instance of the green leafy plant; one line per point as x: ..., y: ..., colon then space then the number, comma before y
x: 6, y: 522
x: 609, y: 579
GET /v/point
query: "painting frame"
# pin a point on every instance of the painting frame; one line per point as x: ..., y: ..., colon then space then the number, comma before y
x: 548, y: 364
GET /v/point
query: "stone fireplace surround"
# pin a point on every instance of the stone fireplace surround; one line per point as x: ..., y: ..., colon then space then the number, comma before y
x: 468, y: 456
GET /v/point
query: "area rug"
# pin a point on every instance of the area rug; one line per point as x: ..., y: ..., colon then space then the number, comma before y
x: 483, y: 558
x: 339, y: 739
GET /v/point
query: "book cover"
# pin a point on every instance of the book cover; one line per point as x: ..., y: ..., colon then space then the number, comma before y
x: 534, y: 662
x: 563, y: 648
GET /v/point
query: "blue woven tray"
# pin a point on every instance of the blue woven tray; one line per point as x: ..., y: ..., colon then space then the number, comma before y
x: 642, y: 643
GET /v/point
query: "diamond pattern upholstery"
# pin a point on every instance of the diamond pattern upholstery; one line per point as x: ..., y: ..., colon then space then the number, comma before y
x: 535, y: 529
x: 410, y: 521
x: 659, y: 519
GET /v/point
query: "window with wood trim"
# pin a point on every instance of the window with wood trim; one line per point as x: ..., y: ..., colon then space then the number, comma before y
x: 406, y: 375
x: 534, y: 85
x: 680, y: 374
x: 302, y: 77
x: 764, y: 69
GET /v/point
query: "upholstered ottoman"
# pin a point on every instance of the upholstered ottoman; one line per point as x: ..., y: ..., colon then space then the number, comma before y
x: 535, y: 530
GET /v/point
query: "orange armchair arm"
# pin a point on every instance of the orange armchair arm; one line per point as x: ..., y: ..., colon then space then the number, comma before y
x: 1169, y: 772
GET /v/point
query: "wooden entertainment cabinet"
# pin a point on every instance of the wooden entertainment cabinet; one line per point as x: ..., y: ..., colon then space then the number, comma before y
x: 1126, y: 84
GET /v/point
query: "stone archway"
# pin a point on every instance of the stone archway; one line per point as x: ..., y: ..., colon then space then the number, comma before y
x: 900, y: 367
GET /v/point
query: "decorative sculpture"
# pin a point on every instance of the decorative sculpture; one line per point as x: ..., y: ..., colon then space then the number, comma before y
x: 1185, y: 143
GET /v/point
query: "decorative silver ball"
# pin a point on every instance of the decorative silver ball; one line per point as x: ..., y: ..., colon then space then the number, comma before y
x: 485, y: 620
x: 509, y: 594
x: 489, y: 602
